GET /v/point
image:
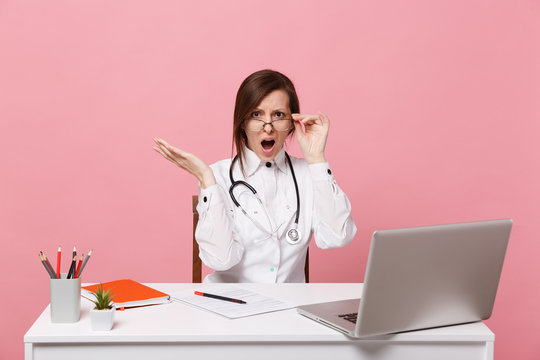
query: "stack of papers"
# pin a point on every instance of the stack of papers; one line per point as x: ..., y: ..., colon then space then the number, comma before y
x: 255, y: 303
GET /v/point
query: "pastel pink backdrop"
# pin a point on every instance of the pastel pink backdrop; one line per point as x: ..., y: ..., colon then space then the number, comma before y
x: 434, y: 110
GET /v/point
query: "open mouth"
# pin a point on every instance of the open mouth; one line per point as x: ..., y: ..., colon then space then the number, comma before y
x: 268, y: 145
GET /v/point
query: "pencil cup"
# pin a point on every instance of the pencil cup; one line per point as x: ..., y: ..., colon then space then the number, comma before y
x: 65, y: 299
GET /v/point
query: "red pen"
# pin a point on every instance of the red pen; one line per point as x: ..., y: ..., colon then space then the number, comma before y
x: 220, y: 297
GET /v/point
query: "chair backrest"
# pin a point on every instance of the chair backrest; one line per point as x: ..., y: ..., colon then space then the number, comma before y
x: 197, y: 263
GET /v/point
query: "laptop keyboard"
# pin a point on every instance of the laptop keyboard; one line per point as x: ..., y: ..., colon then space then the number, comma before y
x: 349, y: 317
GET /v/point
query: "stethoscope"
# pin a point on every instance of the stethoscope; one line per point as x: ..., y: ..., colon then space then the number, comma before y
x: 292, y: 235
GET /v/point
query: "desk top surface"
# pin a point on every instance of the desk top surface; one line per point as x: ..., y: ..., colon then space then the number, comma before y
x: 178, y: 322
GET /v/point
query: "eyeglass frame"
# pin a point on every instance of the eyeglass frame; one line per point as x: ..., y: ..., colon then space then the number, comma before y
x: 271, y: 123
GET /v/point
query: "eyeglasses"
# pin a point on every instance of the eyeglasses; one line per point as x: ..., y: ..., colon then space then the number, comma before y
x: 257, y: 125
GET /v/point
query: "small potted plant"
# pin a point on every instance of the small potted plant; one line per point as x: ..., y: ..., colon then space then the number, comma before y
x: 102, y: 316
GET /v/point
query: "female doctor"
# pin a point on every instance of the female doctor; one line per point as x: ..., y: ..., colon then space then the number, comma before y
x: 257, y: 211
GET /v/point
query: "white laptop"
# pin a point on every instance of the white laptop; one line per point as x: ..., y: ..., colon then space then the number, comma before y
x: 423, y: 277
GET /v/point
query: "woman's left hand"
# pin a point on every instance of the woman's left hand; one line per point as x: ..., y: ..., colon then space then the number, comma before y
x: 312, y: 140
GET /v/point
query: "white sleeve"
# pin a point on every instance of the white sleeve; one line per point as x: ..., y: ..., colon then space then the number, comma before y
x: 333, y: 225
x: 215, y: 233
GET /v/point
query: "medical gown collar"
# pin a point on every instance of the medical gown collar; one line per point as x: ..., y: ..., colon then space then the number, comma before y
x: 252, y: 162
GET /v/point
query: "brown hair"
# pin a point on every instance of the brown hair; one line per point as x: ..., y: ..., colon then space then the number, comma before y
x: 253, y: 89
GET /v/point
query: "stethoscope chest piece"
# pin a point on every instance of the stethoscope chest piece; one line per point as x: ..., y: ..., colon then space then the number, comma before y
x: 293, y: 236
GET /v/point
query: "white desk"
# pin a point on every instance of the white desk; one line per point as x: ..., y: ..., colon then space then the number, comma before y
x: 178, y: 331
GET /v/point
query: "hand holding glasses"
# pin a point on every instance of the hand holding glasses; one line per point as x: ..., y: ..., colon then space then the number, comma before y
x: 311, y: 134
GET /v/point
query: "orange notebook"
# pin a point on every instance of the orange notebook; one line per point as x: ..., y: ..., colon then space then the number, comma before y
x: 128, y: 293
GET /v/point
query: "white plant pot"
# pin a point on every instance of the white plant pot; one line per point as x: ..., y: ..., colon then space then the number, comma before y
x: 102, y: 320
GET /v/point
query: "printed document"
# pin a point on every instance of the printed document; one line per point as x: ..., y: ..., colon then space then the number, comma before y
x: 255, y: 303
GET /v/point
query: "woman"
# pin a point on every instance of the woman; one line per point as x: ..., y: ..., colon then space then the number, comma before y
x: 242, y: 238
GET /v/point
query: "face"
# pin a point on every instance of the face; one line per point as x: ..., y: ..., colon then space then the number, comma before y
x: 268, y: 142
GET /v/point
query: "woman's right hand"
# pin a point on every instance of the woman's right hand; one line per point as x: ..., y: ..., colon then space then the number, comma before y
x: 186, y: 161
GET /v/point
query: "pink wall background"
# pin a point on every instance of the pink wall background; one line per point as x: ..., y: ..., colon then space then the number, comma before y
x: 434, y: 110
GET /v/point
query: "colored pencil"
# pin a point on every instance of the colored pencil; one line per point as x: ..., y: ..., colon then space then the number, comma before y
x: 58, y: 260
x: 48, y: 264
x: 45, y: 265
x: 79, y: 266
x: 50, y: 267
x: 71, y: 271
x: 85, y: 261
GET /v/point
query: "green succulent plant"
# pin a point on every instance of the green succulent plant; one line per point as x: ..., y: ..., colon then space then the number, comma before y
x: 104, y: 299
